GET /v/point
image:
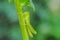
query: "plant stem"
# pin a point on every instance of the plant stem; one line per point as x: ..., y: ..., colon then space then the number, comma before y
x: 21, y: 20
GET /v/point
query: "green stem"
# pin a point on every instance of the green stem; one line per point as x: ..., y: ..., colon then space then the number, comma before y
x: 21, y: 20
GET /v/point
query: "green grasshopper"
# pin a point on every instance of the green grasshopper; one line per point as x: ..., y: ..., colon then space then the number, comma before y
x: 24, y: 20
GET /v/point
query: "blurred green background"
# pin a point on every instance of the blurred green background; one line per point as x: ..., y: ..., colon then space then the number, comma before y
x: 45, y: 20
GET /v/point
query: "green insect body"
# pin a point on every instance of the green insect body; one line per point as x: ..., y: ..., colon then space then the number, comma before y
x: 28, y: 25
x: 24, y: 20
